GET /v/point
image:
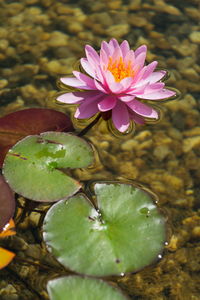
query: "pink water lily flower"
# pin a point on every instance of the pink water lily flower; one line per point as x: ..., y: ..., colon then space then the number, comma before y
x: 114, y: 81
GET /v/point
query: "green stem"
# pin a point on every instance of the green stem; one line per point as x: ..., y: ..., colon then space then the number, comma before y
x: 87, y: 128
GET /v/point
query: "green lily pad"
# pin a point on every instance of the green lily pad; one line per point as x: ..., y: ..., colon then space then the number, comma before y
x: 123, y: 234
x: 36, y: 166
x: 76, y: 287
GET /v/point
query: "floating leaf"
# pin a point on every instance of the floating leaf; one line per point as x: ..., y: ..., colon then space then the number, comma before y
x: 34, y: 167
x: 20, y: 124
x: 7, y: 203
x: 125, y: 233
x: 8, y: 230
x: 76, y: 287
x: 5, y: 257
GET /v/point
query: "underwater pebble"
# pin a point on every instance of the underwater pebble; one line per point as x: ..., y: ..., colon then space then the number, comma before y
x: 137, y: 21
x: 129, y: 145
x: 104, y: 145
x: 160, y: 152
x: 196, y: 232
x: 86, y: 36
x: 135, y: 4
x: 75, y: 27
x: 3, y: 44
x: 193, y: 13
x: 9, y: 293
x: 195, y: 37
x: 114, y: 4
x: 128, y: 170
x: 117, y: 30
x: 3, y: 83
x: 192, y: 132
x: 175, y: 133
x: 143, y: 135
x: 58, y: 39
x: 34, y: 251
x: 191, y: 143
x: 190, y: 74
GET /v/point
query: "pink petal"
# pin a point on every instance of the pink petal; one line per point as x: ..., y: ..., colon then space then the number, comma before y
x: 112, y: 45
x: 138, y: 91
x: 140, y: 59
x: 142, y: 109
x: 76, y: 97
x: 107, y: 103
x: 88, y: 108
x: 100, y: 75
x: 120, y: 116
x: 69, y: 98
x: 105, y: 46
x: 71, y: 81
x: 156, y: 76
x: 159, y: 95
x: 74, y: 82
x: 117, y: 53
x: 141, y: 49
x: 103, y: 59
x: 136, y: 118
x: 129, y: 57
x: 137, y: 80
x: 126, y: 82
x: 124, y: 48
x: 100, y: 87
x: 88, y: 81
x: 92, y: 55
x: 149, y: 69
x: 87, y: 67
x: 109, y: 78
x: 116, y: 87
x: 126, y: 98
x: 151, y: 88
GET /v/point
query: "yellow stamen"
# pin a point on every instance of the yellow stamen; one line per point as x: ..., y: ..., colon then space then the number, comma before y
x: 119, y: 69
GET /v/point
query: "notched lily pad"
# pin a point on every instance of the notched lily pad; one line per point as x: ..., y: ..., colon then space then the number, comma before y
x: 7, y: 203
x: 36, y: 166
x: 76, y: 287
x: 123, y: 234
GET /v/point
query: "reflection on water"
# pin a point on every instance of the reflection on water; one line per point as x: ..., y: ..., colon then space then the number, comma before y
x: 42, y: 39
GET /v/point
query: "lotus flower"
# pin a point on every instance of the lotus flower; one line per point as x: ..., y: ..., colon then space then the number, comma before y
x: 114, y: 82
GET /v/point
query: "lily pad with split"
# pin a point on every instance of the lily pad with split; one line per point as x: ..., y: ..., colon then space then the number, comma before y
x: 36, y: 167
x: 123, y: 232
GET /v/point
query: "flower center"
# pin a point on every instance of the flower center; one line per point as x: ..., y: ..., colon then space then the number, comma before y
x: 119, y: 69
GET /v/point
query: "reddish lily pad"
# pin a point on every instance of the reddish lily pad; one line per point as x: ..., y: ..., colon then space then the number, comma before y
x: 17, y: 125
x: 7, y: 203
